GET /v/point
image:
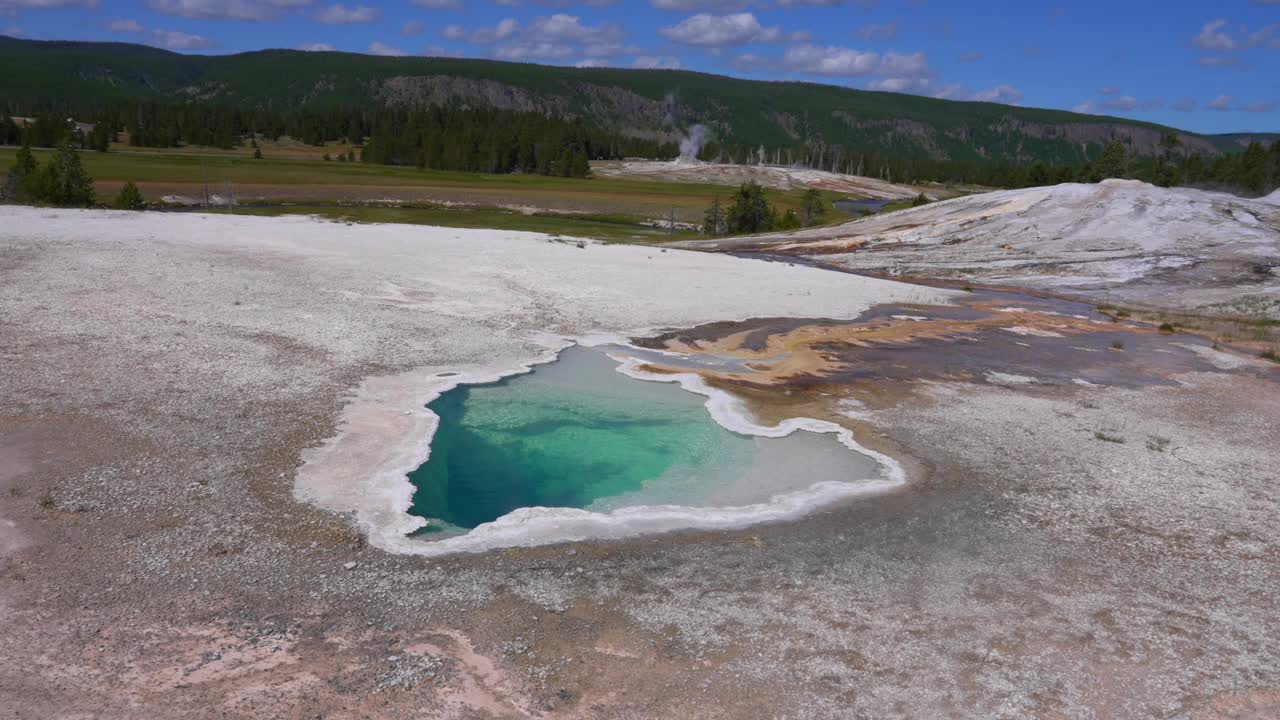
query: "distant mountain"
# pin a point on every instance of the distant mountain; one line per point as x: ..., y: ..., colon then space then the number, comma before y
x: 654, y: 104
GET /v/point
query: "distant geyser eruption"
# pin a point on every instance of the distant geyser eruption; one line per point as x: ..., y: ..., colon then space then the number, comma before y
x: 691, y: 144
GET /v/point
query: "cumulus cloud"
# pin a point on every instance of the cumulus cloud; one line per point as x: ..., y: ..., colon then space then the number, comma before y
x: 591, y: 63
x: 1004, y: 93
x: 915, y: 86
x: 437, y: 51
x: 317, y: 47
x: 702, y: 5
x: 507, y: 27
x: 1124, y: 102
x: 174, y: 40
x: 535, y: 51
x: 343, y: 15
x: 555, y: 37
x: 1211, y: 37
x: 227, y: 9
x: 569, y: 28
x: 8, y: 7
x: 125, y: 26
x: 706, y: 30
x: 656, y: 62
x: 379, y: 48
x: 897, y: 68
x: 438, y: 4
x: 1225, y: 103
x: 838, y: 61
x: 411, y: 27
x: 878, y: 31
x: 1217, y: 61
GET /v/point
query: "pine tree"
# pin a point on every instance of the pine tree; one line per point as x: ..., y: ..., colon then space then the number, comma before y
x: 129, y: 198
x: 71, y: 186
x: 713, y: 220
x: 751, y: 212
x: 24, y: 166
x: 812, y: 205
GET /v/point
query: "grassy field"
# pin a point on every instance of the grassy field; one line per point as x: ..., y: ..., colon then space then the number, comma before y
x: 616, y: 209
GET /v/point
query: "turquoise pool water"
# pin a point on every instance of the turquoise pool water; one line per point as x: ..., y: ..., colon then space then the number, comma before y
x: 577, y: 433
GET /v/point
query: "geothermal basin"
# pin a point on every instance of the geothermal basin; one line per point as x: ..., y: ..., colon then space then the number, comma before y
x: 587, y: 446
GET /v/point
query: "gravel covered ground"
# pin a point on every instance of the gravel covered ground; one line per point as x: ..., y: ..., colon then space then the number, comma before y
x: 1078, y: 552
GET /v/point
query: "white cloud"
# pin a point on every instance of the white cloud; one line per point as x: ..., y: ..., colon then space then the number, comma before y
x: 702, y: 5
x: 1109, y: 91
x: 227, y: 9
x: 1124, y: 102
x: 592, y: 63
x: 820, y: 3
x: 1005, y: 93
x: 507, y: 27
x: 343, y: 15
x: 915, y: 86
x: 831, y: 60
x: 535, y: 51
x: 656, y: 62
x: 1211, y: 37
x: 379, y: 48
x: 125, y: 26
x: 8, y: 7
x: 174, y: 40
x: 317, y: 47
x: 724, y: 31
x: 437, y: 51
x: 1217, y: 61
x: 568, y: 28
x: 508, y: 3
x: 438, y: 4
x: 1227, y: 103
x: 1184, y: 105
x: 878, y: 31
x: 850, y: 62
x: 411, y: 27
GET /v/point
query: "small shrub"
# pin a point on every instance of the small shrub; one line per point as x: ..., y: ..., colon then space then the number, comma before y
x: 129, y: 198
x: 1117, y: 345
x: 1155, y: 443
x: 1167, y: 328
x: 1105, y: 437
x: 1271, y: 355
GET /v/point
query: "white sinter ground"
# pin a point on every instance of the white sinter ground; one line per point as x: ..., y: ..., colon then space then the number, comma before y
x: 426, y: 309
x: 1120, y: 240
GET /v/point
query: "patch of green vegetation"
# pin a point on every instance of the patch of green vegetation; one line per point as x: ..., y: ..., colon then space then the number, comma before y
x: 1271, y: 355
x: 1108, y: 437
x: 1117, y: 345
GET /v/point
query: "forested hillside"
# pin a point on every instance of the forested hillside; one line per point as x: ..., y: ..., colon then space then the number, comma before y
x: 819, y: 125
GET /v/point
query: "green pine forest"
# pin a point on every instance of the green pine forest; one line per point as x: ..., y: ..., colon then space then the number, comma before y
x: 495, y: 117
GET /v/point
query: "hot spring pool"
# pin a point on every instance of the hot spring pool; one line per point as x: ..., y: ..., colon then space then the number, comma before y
x: 576, y: 433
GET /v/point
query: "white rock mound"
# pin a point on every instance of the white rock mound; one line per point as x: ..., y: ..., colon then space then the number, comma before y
x: 1119, y: 239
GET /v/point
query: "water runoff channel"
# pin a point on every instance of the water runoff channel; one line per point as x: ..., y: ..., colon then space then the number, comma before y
x: 588, y: 446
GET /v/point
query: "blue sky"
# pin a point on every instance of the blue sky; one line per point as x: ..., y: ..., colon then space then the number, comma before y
x: 1208, y: 67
